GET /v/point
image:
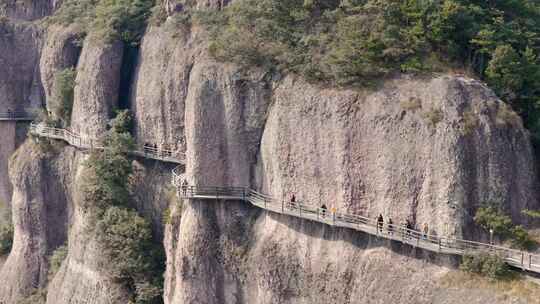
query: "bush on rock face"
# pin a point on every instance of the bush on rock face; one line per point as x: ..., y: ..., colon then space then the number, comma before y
x: 107, y: 19
x: 491, y: 266
x: 64, y: 90
x: 491, y: 218
x: 6, y: 239
x: 131, y: 254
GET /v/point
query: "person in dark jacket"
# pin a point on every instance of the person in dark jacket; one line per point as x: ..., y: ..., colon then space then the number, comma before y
x: 323, y: 210
x: 390, y: 226
x: 380, y: 222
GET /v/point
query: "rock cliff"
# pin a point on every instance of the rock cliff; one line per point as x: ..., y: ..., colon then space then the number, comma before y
x: 426, y: 148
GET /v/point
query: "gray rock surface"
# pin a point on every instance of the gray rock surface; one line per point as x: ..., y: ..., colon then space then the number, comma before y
x: 40, y: 218
x: 431, y: 149
x: 427, y: 149
x: 97, y: 86
x: 28, y: 10
x: 20, y: 87
x: 82, y: 277
x: 60, y: 51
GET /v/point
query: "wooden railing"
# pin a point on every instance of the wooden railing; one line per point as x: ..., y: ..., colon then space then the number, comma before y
x: 453, y: 246
x: 16, y: 116
x: 82, y: 141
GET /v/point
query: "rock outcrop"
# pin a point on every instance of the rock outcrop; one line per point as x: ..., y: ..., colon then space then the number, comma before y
x: 20, y: 87
x: 40, y: 217
x: 97, y: 86
x: 82, y: 276
x: 28, y: 10
x: 428, y: 149
x: 60, y: 51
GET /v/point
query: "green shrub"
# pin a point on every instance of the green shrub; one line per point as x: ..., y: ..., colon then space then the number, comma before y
x: 355, y: 43
x: 493, y: 218
x: 491, y: 266
x: 56, y: 259
x: 502, y: 225
x: 64, y: 90
x: 521, y: 239
x: 126, y: 241
x: 38, y: 296
x: 6, y: 238
x: 107, y: 19
x: 130, y: 254
x: 108, y: 178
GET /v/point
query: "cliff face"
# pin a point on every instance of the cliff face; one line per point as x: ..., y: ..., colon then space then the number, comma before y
x: 428, y: 149
x: 20, y: 87
x: 41, y: 213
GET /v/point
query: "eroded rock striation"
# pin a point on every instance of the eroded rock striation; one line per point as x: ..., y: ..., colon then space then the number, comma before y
x: 430, y: 149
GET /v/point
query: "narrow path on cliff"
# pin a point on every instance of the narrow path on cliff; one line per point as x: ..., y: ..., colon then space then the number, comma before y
x: 17, y: 116
x: 451, y: 246
x: 85, y: 142
x: 443, y: 245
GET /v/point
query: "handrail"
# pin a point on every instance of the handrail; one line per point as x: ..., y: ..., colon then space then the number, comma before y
x: 16, y: 116
x: 83, y: 141
x: 520, y: 259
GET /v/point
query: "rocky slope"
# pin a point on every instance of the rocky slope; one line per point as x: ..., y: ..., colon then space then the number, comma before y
x: 429, y: 149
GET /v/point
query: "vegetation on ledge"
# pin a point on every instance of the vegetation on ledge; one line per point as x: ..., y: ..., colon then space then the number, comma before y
x: 132, y: 256
x: 355, y: 42
x: 108, y: 20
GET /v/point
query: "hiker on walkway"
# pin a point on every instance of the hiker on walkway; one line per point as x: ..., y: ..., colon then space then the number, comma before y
x: 425, y: 230
x: 184, y: 187
x: 323, y: 210
x: 380, y: 222
x: 390, y: 226
x: 292, y: 201
x: 408, y: 227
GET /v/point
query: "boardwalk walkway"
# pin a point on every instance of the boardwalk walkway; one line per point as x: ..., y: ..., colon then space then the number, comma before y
x: 82, y: 141
x: 522, y: 260
x: 17, y: 116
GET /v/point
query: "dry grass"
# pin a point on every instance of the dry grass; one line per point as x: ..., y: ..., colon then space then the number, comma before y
x: 470, y: 122
x: 506, y: 116
x: 411, y: 104
x: 433, y: 116
x: 517, y: 288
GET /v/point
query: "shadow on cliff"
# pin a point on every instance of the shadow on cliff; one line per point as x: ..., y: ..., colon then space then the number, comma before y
x: 361, y: 240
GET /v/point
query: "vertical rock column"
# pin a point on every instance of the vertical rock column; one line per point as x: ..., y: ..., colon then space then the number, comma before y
x: 96, y: 88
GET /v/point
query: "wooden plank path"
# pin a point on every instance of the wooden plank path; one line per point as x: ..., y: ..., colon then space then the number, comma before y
x: 17, y: 116
x: 522, y: 260
x: 84, y: 142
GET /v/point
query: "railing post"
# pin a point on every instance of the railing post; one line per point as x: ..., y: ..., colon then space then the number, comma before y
x: 522, y: 258
x: 317, y: 213
x: 265, y: 203
x: 334, y: 217
x: 530, y: 261
x: 282, y: 206
x: 439, y: 241
x: 300, y: 210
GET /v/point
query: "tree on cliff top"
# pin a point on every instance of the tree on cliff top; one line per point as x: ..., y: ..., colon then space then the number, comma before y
x: 355, y: 42
x: 107, y: 19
